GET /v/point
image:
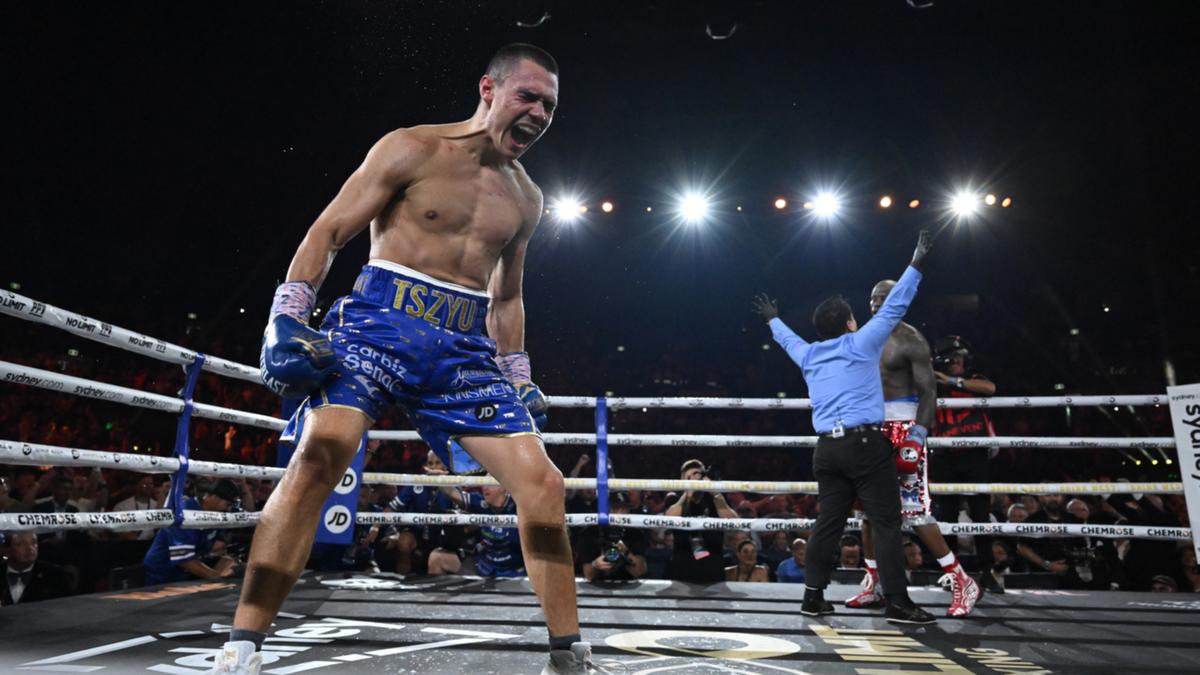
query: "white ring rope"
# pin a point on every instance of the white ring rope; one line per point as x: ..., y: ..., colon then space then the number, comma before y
x: 729, y: 441
x: 777, y: 524
x: 36, y: 454
x: 33, y: 454
x: 45, y: 379
x: 28, y: 309
x: 21, y: 307
x: 704, y: 402
x: 160, y: 518
x: 781, y: 487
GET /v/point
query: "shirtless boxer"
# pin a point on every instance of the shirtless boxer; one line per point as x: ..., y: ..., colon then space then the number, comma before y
x: 910, y: 402
x: 451, y: 212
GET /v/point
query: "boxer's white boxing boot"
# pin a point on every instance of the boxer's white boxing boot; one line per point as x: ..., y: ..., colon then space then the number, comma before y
x: 237, y: 658
x: 577, y: 659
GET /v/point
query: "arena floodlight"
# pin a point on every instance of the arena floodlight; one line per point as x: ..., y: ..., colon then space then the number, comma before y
x: 1007, y: 202
x: 607, y: 207
x: 780, y: 203
x: 567, y: 209
x: 885, y: 202
x: 693, y: 207
x: 914, y: 203
x: 963, y: 204
x: 826, y: 205
x: 990, y: 200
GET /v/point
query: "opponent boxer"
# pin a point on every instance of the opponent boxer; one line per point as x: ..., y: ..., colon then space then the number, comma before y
x: 451, y: 212
x: 910, y: 402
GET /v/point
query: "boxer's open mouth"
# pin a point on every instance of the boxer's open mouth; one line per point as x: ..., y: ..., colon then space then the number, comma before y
x: 525, y: 133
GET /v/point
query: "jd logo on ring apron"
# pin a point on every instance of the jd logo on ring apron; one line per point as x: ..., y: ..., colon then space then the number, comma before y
x: 341, y: 508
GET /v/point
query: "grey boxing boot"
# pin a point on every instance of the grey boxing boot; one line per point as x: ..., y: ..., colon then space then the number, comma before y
x: 237, y: 658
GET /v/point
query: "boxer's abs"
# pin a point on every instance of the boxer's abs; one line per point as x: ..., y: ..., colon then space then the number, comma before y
x: 450, y: 257
x: 452, y: 227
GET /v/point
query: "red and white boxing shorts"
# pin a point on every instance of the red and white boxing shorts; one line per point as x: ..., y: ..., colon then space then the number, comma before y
x: 915, y: 507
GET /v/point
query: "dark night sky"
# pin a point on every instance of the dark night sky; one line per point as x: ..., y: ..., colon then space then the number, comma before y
x: 171, y: 155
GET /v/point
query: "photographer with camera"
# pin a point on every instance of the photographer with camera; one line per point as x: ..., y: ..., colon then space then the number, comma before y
x: 611, y: 552
x: 697, y: 557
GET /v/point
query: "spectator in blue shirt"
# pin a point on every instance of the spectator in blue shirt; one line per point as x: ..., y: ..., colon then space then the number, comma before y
x: 427, y: 549
x: 853, y: 458
x: 177, y: 553
x: 499, y: 552
x: 791, y: 571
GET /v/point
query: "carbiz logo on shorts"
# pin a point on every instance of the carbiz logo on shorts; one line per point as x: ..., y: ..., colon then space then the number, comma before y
x: 384, y: 369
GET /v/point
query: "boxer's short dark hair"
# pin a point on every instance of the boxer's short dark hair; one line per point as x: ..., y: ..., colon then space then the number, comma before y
x: 510, y: 55
x: 831, y: 316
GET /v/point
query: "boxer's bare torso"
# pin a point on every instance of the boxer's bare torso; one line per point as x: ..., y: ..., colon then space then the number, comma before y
x: 900, y: 352
x: 454, y: 216
x: 448, y: 200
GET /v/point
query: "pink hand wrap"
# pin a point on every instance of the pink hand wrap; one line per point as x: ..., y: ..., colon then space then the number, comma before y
x: 515, y: 366
x: 296, y: 299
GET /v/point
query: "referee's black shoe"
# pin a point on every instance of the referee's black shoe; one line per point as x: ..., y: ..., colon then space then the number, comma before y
x: 908, y: 613
x: 815, y: 604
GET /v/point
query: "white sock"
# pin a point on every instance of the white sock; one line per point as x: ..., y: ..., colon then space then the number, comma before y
x: 870, y: 563
x: 947, y: 561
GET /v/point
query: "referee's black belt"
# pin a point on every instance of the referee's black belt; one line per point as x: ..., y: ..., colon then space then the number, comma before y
x: 860, y: 429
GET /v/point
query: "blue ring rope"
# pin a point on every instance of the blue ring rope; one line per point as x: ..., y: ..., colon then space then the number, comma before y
x: 182, y: 430
x: 602, y: 460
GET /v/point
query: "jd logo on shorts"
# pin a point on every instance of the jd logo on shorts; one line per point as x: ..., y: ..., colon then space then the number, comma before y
x: 483, y: 413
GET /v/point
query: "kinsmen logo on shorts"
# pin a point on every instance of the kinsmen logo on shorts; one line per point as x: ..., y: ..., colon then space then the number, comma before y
x: 485, y: 413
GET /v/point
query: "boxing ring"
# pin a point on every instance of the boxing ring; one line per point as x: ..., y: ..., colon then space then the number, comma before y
x: 458, y: 624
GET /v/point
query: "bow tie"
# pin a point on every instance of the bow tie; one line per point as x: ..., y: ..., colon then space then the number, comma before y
x: 22, y: 577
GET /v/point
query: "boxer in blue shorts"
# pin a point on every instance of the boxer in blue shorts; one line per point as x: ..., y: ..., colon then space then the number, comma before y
x: 405, y: 338
x: 436, y: 325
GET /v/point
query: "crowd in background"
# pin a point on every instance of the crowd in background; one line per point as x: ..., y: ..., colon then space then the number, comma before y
x: 98, y: 560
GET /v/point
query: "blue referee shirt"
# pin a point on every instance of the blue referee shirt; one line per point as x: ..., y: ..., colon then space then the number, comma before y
x: 843, y: 373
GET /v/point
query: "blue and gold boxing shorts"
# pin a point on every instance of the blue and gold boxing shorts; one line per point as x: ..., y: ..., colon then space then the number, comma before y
x: 407, y: 339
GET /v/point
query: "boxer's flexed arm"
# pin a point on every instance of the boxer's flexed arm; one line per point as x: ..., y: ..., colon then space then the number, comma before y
x: 295, y: 359
x: 389, y: 166
x: 506, y: 312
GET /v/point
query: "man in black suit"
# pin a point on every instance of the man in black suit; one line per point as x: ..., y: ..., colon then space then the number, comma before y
x: 27, y: 579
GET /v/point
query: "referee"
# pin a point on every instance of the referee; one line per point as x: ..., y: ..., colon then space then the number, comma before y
x: 852, y: 458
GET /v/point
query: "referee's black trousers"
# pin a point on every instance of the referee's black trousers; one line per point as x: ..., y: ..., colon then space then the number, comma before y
x: 862, y: 465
